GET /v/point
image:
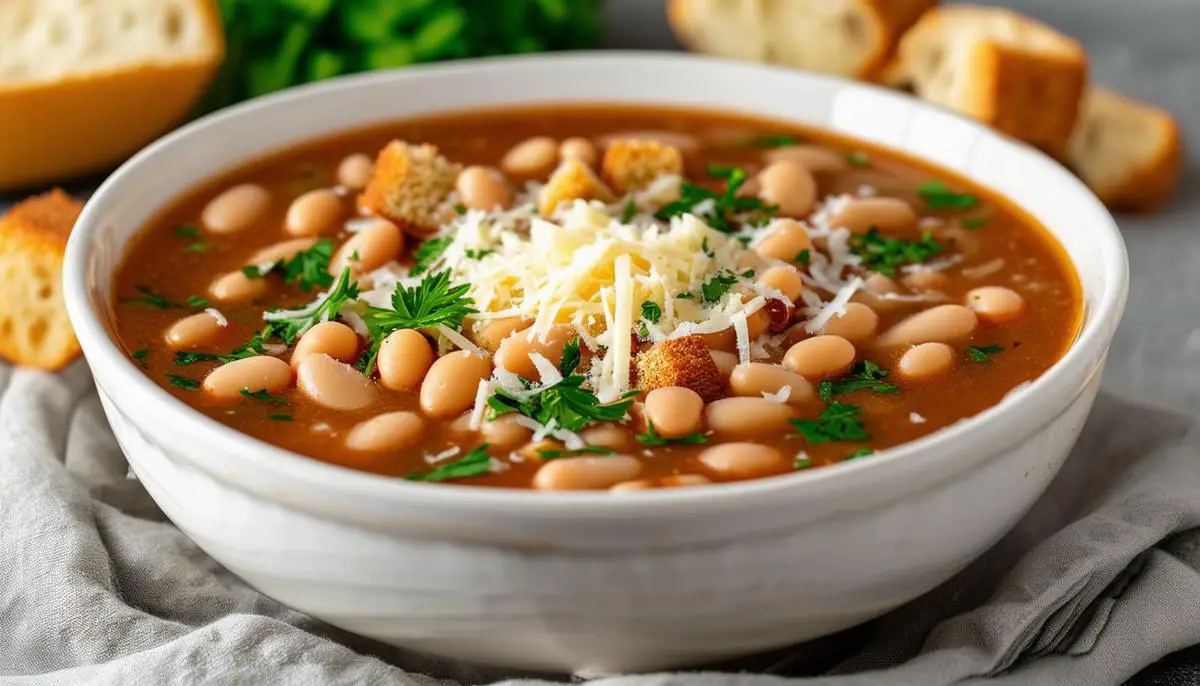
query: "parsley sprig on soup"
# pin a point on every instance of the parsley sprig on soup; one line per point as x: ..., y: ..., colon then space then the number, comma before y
x: 615, y: 298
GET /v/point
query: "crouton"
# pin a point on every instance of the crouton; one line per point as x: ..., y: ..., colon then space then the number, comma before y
x: 1002, y: 68
x: 409, y: 185
x: 34, y: 329
x: 573, y: 180
x: 851, y: 38
x: 1129, y: 153
x: 682, y: 362
x: 632, y: 164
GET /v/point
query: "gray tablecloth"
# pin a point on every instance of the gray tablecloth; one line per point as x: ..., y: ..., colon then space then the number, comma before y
x: 1100, y: 580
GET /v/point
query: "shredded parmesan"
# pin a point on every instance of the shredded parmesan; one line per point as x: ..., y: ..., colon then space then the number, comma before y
x: 217, y: 317
x: 743, y: 337
x: 444, y: 455
x: 916, y: 418
x: 781, y: 396
x: 835, y: 307
x: 461, y: 341
x: 481, y: 395
x: 546, y: 370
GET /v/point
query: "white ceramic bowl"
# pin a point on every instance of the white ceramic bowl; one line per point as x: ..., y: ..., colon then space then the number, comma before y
x: 588, y: 581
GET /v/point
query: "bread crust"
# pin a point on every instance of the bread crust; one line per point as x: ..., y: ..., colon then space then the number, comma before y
x: 409, y: 184
x: 892, y: 18
x: 633, y: 164
x: 572, y: 180
x: 34, y: 328
x: 684, y: 362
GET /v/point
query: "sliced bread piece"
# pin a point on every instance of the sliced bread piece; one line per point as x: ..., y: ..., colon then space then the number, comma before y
x: 1002, y: 68
x: 1128, y: 152
x: 34, y: 329
x: 84, y: 84
x: 409, y: 185
x: 852, y: 38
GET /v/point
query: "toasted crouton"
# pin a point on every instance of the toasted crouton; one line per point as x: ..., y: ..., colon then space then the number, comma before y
x: 573, y: 180
x: 1129, y: 153
x: 1002, y: 68
x: 682, y: 362
x: 850, y: 38
x: 409, y: 184
x: 34, y: 329
x: 631, y: 164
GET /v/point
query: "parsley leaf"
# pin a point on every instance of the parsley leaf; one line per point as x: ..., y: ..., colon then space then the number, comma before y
x: 262, y: 395
x: 883, y: 255
x: 939, y: 196
x: 565, y: 405
x: 804, y: 257
x: 983, y: 355
x: 727, y: 207
x: 974, y: 223
x: 651, y: 311
x: 253, y: 271
x: 291, y: 323
x: 717, y: 286
x: 475, y: 463
x: 280, y: 417
x: 432, y: 302
x: 309, y: 269
x: 198, y: 246
x: 473, y: 254
x: 651, y: 437
x: 866, y: 376
x: 460, y: 209
x: 776, y: 140
x: 628, y: 212
x: 586, y: 450
x: 705, y: 249
x: 197, y: 302
x: 685, y: 296
x: 858, y: 159
x: 153, y: 300
x: 571, y: 357
x: 838, y: 422
x: 252, y: 348
x: 802, y: 463
x: 187, y: 231
x: 860, y: 453
x: 428, y: 252
x: 139, y: 354
x: 183, y: 382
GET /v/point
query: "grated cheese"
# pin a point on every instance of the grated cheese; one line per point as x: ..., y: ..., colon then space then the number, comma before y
x: 444, y: 455
x: 481, y: 395
x: 743, y: 337
x: 546, y: 370
x: 217, y: 317
x: 781, y: 396
x: 461, y: 341
x: 835, y: 307
x: 916, y: 418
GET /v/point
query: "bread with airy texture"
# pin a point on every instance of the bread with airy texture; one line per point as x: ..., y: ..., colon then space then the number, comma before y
x: 1128, y: 152
x: 1000, y: 67
x: 34, y: 329
x: 852, y: 38
x: 572, y: 180
x: 409, y: 186
x: 685, y: 362
x: 632, y: 164
x: 84, y: 84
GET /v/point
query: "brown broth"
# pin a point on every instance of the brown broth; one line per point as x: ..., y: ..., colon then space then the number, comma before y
x: 1035, y: 265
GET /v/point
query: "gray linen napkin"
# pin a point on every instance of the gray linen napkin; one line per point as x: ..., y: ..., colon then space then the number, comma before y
x: 1100, y: 580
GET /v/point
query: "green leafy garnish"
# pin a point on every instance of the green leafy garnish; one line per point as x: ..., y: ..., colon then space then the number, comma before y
x: 473, y: 254
x: 139, y: 354
x: 651, y: 437
x: 198, y: 246
x: 153, y: 300
x: 858, y: 159
x: 804, y: 257
x: 252, y: 348
x: 460, y: 209
x: 565, y: 405
x: 983, y: 354
x: 860, y: 453
x: 866, y: 376
x: 197, y: 302
x: 685, y: 296
x: 974, y: 223
x: 776, y: 140
x: 262, y: 395
x: 838, y: 422
x: 727, y: 207
x: 280, y: 417
x: 628, y: 212
x: 309, y: 269
x: 802, y: 463
x: 253, y: 271
x: 431, y: 303
x: 939, y: 196
x: 475, y: 463
x: 651, y: 311
x: 187, y: 231
x: 289, y: 324
x: 586, y: 450
x: 428, y: 252
x: 183, y: 382
x: 883, y: 255
x: 705, y: 249
x: 571, y: 357
x: 717, y: 286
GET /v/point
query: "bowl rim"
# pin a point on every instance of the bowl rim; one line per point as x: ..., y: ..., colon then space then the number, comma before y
x: 993, y: 426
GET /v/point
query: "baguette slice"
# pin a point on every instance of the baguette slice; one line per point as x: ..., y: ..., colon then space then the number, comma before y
x: 34, y: 329
x: 853, y: 38
x: 1129, y: 153
x: 84, y: 84
x: 1002, y: 68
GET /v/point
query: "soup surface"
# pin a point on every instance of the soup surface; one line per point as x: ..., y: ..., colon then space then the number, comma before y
x: 592, y: 298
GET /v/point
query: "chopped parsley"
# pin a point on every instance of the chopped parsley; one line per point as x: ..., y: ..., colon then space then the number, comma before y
x: 974, y: 223
x: 291, y: 323
x: 571, y: 357
x: 651, y: 437
x: 727, y: 207
x: 838, y: 422
x: 252, y: 348
x: 860, y: 453
x: 565, y: 405
x: 939, y: 196
x: 866, y: 376
x: 430, y: 303
x: 586, y: 450
x: 705, y: 249
x: 183, y: 382
x: 651, y: 311
x: 280, y: 417
x: 428, y: 252
x: 776, y: 140
x: 309, y: 269
x: 253, y: 271
x: 883, y: 255
x: 685, y: 296
x: 983, y: 355
x: 802, y: 463
x: 628, y: 212
x: 152, y: 299
x: 460, y: 209
x: 717, y: 286
x: 473, y: 254
x: 139, y: 354
x: 858, y: 159
x: 262, y: 395
x: 804, y: 257
x: 198, y: 246
x: 475, y: 463
x: 197, y: 302
x: 187, y: 231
